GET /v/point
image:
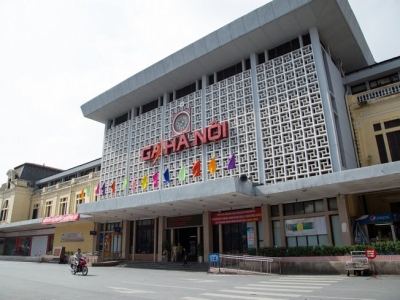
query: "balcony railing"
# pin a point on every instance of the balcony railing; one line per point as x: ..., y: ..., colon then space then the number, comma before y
x: 384, y: 91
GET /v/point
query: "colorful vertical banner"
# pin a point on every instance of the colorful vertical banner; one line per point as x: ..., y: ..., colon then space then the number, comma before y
x: 158, y: 152
x: 166, y: 176
x: 232, y: 162
x: 97, y: 191
x: 103, y: 189
x: 212, y: 166
x: 113, y: 187
x: 144, y: 181
x: 125, y: 183
x: 133, y: 184
x: 182, y: 173
x: 196, y: 168
x: 88, y: 190
x: 155, y: 180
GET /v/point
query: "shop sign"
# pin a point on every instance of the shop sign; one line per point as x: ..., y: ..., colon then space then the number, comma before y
x: 377, y: 218
x: 212, y: 133
x: 237, y: 216
x: 61, y: 219
x: 185, y: 221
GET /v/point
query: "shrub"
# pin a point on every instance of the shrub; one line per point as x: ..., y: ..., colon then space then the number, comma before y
x: 382, y: 248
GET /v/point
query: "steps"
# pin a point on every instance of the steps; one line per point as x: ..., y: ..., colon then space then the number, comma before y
x: 193, y: 266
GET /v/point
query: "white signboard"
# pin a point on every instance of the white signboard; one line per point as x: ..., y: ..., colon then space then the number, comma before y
x: 305, y: 226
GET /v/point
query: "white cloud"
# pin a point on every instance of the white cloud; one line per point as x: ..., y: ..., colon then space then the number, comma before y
x: 57, y: 55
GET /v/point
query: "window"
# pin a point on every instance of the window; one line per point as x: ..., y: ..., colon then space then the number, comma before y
x: 381, y: 148
x: 35, y: 211
x: 229, y: 72
x: 150, y: 106
x: 394, y: 145
x: 121, y: 119
x: 63, y: 206
x: 274, y: 210
x: 377, y: 127
x: 358, y: 88
x: 247, y: 64
x: 261, y: 58
x: 4, y: 211
x: 235, y: 237
x: 79, y: 200
x: 309, y: 240
x: 277, y: 233
x: 384, y: 81
x: 145, y: 237
x: 299, y: 208
x: 211, y: 79
x: 48, y: 209
x: 284, y: 49
x: 388, y: 142
x: 332, y: 204
x: 392, y: 124
x: 191, y: 88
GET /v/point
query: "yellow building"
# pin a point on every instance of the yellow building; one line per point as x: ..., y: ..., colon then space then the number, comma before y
x: 39, y: 209
x: 374, y: 108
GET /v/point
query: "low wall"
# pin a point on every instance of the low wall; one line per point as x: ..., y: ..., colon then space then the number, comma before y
x: 381, y: 265
x: 21, y: 258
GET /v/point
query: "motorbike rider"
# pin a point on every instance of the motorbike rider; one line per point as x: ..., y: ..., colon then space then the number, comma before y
x: 77, y: 257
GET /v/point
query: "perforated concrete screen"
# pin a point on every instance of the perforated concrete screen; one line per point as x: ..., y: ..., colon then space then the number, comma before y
x: 294, y: 136
x: 294, y: 139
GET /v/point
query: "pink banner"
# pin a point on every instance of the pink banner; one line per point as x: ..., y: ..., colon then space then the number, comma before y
x: 61, y: 219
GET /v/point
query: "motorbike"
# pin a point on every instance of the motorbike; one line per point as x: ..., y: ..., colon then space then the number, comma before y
x: 80, y: 267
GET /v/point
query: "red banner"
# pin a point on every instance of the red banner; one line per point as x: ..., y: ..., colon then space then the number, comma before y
x: 61, y: 219
x: 238, y: 216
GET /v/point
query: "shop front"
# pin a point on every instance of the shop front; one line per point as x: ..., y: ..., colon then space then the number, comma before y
x: 187, y: 232
x: 236, y: 231
x: 376, y: 228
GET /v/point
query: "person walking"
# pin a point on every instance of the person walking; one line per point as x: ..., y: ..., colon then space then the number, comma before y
x: 174, y: 252
x: 184, y: 256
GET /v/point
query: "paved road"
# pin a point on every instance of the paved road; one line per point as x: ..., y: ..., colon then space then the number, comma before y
x: 46, y: 281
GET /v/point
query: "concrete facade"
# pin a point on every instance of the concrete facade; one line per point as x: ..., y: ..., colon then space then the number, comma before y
x: 270, y: 90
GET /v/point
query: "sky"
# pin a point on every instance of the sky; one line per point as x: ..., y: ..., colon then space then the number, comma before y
x: 57, y: 55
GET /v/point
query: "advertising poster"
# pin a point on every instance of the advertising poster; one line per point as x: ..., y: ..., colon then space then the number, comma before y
x: 72, y: 237
x: 305, y: 226
x: 107, y: 245
x: 250, y: 237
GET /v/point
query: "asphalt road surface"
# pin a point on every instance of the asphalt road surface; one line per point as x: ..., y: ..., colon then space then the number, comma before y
x: 47, y: 281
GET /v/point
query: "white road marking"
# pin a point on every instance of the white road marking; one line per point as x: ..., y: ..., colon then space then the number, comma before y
x: 283, y: 288
x: 127, y: 291
x: 261, y: 293
x: 163, y: 285
x: 241, y: 297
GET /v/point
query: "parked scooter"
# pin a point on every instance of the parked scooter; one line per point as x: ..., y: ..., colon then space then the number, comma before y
x: 80, y: 267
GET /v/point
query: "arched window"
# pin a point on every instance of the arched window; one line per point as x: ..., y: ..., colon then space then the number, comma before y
x: 4, y: 211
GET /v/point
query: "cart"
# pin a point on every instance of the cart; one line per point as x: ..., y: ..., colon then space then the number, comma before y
x: 359, y: 263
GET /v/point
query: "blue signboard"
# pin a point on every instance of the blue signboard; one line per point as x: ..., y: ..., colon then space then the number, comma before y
x: 378, y: 218
x: 213, y: 257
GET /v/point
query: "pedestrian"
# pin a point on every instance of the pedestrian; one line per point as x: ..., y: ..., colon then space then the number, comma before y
x: 184, y: 256
x: 179, y: 252
x: 174, y: 252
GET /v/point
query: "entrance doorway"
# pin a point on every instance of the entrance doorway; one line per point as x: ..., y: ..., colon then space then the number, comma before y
x: 187, y: 237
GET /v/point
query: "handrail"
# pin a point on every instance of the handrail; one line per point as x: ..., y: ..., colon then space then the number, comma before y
x: 228, y: 261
